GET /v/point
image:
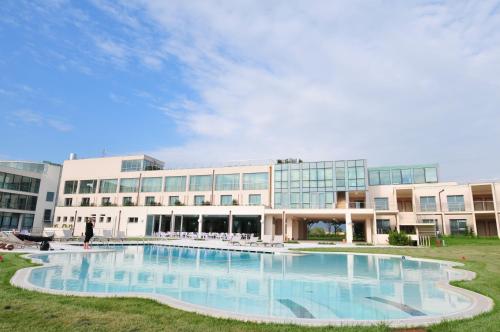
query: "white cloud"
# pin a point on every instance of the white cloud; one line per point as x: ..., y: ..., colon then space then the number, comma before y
x: 31, y: 118
x: 396, y: 82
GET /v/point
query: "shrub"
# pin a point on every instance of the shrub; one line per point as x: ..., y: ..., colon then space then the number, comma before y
x: 398, y: 238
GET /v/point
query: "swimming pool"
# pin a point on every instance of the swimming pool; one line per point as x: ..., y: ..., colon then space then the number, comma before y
x: 259, y: 286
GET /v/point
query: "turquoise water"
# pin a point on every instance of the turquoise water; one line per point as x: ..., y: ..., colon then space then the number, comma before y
x: 315, y: 286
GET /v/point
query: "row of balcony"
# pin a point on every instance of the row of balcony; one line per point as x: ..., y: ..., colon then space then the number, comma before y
x: 405, y: 206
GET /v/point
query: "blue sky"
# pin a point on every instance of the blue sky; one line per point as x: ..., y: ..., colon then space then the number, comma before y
x: 194, y: 82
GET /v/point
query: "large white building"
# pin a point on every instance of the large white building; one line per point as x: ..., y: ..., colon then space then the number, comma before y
x: 28, y: 194
x: 136, y: 195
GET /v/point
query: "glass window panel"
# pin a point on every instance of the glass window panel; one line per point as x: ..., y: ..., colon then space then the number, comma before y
x: 70, y: 187
x: 385, y: 177
x: 374, y: 178
x: 360, y: 172
x: 227, y: 182
x: 199, y: 199
x: 295, y: 175
x: 226, y: 200
x: 131, y: 165
x: 151, y: 185
x: 351, y: 173
x: 360, y: 162
x: 88, y: 186
x: 456, y: 203
x: 406, y: 177
x: 129, y: 185
x: 428, y: 203
x: 313, y: 174
x: 108, y: 186
x: 254, y: 199
x: 200, y: 183
x: 255, y: 181
x: 328, y: 174
x: 458, y: 226
x: 383, y: 226
x: 418, y: 175
x: 340, y: 164
x: 381, y: 203
x: 175, y: 183
x: 173, y: 200
x: 351, y: 163
x: 431, y: 175
x: 396, y: 176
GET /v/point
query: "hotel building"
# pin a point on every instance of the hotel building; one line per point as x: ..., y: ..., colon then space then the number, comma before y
x: 28, y: 194
x: 138, y: 196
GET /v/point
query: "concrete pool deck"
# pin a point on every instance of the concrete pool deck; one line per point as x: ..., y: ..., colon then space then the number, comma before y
x: 479, y: 303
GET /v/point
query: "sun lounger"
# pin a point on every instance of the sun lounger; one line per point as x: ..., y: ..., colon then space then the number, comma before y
x: 10, y: 239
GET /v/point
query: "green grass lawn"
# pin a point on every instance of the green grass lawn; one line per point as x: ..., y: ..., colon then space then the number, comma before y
x: 22, y: 310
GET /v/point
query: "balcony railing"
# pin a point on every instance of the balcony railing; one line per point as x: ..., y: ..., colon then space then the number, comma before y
x: 357, y: 205
x: 427, y: 208
x: 484, y: 206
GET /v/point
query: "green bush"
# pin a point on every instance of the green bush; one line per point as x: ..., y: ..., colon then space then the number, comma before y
x: 398, y: 238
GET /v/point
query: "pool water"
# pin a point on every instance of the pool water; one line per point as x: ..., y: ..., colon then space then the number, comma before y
x: 314, y: 286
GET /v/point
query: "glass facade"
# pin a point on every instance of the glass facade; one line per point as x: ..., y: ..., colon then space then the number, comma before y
x: 129, y: 185
x: 175, y: 183
x: 200, y: 183
x: 455, y: 203
x: 255, y: 181
x: 150, y: 185
x: 17, y: 201
x: 227, y: 182
x: 135, y: 165
x: 226, y: 200
x: 24, y: 166
x: 19, y: 183
x: 88, y: 186
x: 403, y: 175
x: 108, y: 186
x: 312, y: 184
x: 70, y: 187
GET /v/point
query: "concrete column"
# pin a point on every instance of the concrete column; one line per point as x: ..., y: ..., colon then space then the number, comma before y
x: 348, y: 227
x: 200, y: 224
x: 368, y: 230
x: 289, y: 228
x: 230, y: 230
x: 182, y: 221
x: 159, y: 225
x: 172, y: 221
x: 262, y: 225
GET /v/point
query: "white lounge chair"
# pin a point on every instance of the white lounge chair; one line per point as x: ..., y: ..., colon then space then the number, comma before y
x: 10, y: 238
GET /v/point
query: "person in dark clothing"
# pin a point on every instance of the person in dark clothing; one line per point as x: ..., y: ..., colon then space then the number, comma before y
x: 89, y: 233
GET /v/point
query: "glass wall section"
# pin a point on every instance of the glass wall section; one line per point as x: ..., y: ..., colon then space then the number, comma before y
x: 312, y: 184
x: 403, y: 175
x: 9, y: 221
x: 255, y: 181
x: 17, y: 201
x: 254, y: 199
x: 227, y: 182
x: 24, y: 166
x: 175, y: 183
x: 150, y: 185
x: 129, y: 185
x: 70, y: 187
x: 456, y: 203
x: 226, y: 200
x: 140, y: 165
x: 18, y: 182
x: 108, y: 186
x: 88, y: 186
x: 200, y: 183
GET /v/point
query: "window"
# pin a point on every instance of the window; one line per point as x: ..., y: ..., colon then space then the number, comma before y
x: 199, y: 199
x: 254, y: 199
x: 65, y: 219
x: 108, y: 219
x: 68, y: 201
x: 47, y: 215
x: 383, y: 226
x: 105, y: 201
x: 133, y: 220
x: 79, y: 219
x: 226, y: 200
x: 175, y: 183
x: 129, y: 185
x: 88, y: 186
x: 101, y: 219
x: 227, y: 182
x: 455, y: 203
x: 151, y: 185
x: 419, y: 175
x: 255, y: 181
x: 50, y: 196
x: 173, y: 200
x: 85, y: 201
x: 406, y: 177
x: 71, y: 218
x: 58, y: 218
x: 427, y: 203
x: 381, y: 203
x: 431, y: 175
x: 132, y: 165
x: 458, y: 226
x: 127, y: 201
x: 200, y: 183
x: 108, y: 186
x: 407, y: 229
x: 396, y: 176
x: 70, y: 187
x: 17, y: 201
x: 149, y: 200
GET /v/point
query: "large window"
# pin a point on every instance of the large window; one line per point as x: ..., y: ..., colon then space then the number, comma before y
x: 88, y: 186
x: 381, y: 203
x: 200, y: 183
x: 129, y: 185
x: 70, y: 187
x: 455, y: 203
x: 18, y: 182
x: 199, y: 199
x: 108, y: 186
x: 427, y: 203
x: 227, y: 182
x: 402, y: 175
x: 173, y: 200
x: 47, y: 215
x: 132, y: 165
x: 458, y: 226
x: 383, y: 226
x: 175, y: 183
x: 49, y: 197
x: 254, y: 199
x: 17, y: 201
x: 255, y: 181
x: 226, y: 200
x: 150, y: 185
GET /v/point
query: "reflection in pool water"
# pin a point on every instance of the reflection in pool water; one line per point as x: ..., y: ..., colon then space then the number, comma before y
x: 321, y: 286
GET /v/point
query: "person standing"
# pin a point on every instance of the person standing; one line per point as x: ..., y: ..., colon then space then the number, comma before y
x: 89, y: 233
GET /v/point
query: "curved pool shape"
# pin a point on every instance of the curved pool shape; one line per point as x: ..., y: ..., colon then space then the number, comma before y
x: 277, y: 287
